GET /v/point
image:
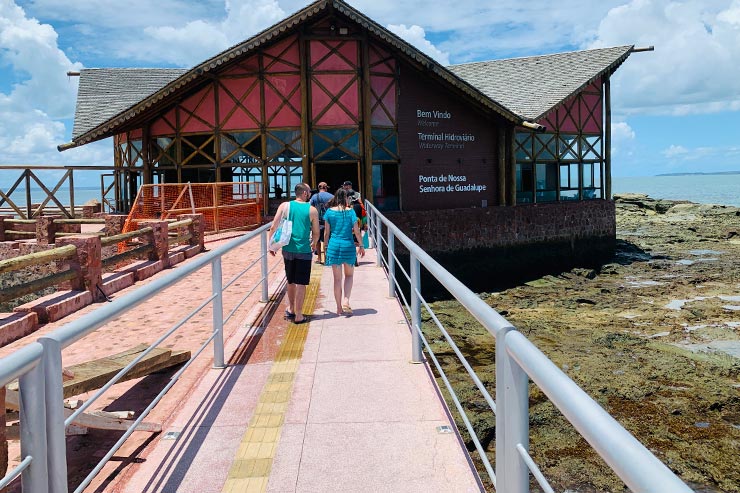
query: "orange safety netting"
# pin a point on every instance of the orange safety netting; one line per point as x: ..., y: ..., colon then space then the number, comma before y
x: 225, y: 206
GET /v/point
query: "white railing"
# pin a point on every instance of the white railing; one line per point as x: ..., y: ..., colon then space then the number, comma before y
x: 517, y: 361
x: 39, y: 366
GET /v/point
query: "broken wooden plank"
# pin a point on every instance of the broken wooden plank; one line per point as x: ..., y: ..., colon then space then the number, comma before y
x: 94, y: 374
x: 100, y: 420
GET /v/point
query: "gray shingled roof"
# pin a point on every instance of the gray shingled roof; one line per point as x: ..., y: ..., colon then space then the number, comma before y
x: 518, y: 89
x: 532, y: 86
x: 96, y: 128
x: 105, y: 92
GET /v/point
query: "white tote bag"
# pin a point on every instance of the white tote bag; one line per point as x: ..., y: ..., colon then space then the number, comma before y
x: 283, y: 232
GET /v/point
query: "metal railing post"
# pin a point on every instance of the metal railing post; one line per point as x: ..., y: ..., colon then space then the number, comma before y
x: 56, y: 444
x: 512, y: 419
x: 263, y: 266
x: 416, y: 345
x: 218, y: 314
x: 391, y: 264
x: 378, y: 243
x: 370, y: 224
x: 33, y: 429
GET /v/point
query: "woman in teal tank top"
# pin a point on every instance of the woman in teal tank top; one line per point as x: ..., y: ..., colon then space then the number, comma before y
x: 341, y: 230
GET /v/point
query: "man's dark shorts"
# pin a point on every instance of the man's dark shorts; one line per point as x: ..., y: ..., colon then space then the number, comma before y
x: 297, y: 267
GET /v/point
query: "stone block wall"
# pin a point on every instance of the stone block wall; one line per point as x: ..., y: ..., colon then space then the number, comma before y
x: 497, y: 247
x: 467, y: 229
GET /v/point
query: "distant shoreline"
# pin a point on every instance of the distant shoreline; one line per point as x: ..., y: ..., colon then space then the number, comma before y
x: 701, y: 173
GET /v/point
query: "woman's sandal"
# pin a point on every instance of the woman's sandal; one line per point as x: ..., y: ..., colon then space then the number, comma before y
x: 289, y: 316
x: 304, y: 321
x: 347, y: 310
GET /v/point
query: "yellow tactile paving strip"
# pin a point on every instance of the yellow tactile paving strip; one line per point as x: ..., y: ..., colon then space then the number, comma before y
x: 250, y: 470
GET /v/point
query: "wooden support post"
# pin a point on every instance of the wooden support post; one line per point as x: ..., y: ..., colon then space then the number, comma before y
x: 366, y: 165
x: 71, y: 176
x: 511, y: 171
x: 308, y: 173
x: 501, y: 165
x: 607, y: 176
x: 29, y: 206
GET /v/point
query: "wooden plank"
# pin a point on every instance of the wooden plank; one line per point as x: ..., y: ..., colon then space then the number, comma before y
x: 176, y: 358
x: 100, y: 420
x: 94, y: 374
x: 37, y: 258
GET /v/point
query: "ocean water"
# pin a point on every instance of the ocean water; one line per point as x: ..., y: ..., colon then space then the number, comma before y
x: 82, y: 195
x: 702, y: 189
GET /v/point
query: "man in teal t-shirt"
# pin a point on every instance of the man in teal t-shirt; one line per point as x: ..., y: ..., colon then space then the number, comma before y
x: 297, y: 254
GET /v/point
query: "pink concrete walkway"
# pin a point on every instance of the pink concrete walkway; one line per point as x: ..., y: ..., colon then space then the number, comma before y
x: 144, y: 324
x: 360, y: 417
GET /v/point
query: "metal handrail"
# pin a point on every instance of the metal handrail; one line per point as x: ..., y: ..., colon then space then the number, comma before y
x: 43, y: 359
x: 518, y: 360
x: 25, y: 364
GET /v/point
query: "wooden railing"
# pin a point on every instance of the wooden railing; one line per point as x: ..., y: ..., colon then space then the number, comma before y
x: 34, y: 259
x: 148, y: 242
x: 127, y: 253
x: 17, y: 200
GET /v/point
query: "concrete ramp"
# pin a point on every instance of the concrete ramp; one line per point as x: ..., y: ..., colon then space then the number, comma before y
x: 332, y: 405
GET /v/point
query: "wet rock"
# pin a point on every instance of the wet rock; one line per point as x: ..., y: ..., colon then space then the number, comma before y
x: 662, y: 356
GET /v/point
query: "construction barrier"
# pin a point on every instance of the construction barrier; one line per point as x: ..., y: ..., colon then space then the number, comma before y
x: 225, y: 206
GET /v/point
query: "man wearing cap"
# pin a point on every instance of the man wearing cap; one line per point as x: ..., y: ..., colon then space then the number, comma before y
x: 353, y: 195
x: 320, y: 201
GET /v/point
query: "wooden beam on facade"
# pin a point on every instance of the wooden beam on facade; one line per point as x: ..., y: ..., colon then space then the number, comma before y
x: 303, y: 57
x: 501, y: 167
x: 367, y: 121
x: 607, y: 140
x: 511, y: 169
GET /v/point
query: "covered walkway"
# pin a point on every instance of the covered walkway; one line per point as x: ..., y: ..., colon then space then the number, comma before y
x: 334, y: 405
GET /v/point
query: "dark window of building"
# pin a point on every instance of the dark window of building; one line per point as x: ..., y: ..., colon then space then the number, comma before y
x: 197, y: 149
x: 336, y: 144
x: 164, y: 152
x: 385, y: 144
x: 385, y: 186
x: 547, y: 182
x: 524, y: 183
x: 241, y: 147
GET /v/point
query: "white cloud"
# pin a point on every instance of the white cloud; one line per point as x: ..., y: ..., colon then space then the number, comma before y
x: 30, y: 48
x: 623, y: 140
x: 39, y: 93
x: 675, y: 151
x: 695, y: 67
x: 248, y: 17
x: 195, y: 41
x: 417, y: 37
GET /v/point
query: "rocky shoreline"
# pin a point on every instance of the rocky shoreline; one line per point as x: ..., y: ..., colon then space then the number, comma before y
x: 653, y: 336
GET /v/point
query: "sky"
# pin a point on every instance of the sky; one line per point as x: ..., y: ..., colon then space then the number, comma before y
x: 675, y: 109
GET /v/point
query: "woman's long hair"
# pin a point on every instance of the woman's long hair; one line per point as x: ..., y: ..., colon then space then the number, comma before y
x: 340, y: 199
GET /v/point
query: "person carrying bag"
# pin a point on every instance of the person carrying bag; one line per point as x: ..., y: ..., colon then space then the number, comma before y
x: 281, y: 237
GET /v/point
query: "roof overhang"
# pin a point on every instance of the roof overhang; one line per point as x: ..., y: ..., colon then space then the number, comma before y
x: 194, y: 76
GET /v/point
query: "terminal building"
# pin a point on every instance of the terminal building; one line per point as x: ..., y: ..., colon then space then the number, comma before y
x: 486, y: 156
